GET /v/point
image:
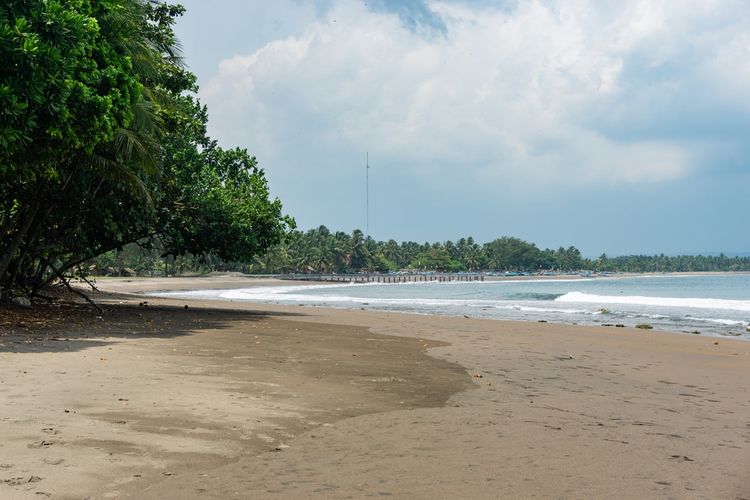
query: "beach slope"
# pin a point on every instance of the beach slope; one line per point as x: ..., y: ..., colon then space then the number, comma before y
x: 224, y: 400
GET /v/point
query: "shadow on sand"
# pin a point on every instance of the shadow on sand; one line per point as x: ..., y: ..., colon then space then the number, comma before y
x: 54, y: 327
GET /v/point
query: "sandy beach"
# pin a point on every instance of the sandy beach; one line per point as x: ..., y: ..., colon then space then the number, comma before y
x: 236, y: 400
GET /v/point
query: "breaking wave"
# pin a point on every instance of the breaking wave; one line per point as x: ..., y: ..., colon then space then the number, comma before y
x: 697, y: 303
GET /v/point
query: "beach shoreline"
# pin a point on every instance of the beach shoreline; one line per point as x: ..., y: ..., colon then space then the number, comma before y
x: 453, y: 407
x: 658, y: 302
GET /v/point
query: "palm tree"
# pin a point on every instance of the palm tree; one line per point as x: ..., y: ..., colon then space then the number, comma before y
x: 392, y: 252
x: 358, y: 252
x: 472, y: 257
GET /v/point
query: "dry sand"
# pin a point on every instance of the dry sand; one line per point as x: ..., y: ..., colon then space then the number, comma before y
x: 230, y: 400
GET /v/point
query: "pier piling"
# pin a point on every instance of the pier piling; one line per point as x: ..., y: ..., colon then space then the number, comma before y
x: 384, y: 278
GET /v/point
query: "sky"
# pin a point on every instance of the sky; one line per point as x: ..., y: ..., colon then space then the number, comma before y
x: 617, y: 126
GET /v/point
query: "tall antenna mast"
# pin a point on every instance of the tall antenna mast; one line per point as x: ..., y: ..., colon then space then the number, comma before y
x: 367, y: 193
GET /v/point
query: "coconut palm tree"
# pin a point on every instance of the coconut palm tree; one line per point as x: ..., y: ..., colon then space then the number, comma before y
x: 359, y: 254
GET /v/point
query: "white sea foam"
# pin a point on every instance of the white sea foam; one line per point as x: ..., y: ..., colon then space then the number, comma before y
x: 521, y: 281
x: 698, y: 303
x: 710, y: 316
x: 253, y: 293
x: 721, y: 321
x: 287, y: 294
x: 544, y: 309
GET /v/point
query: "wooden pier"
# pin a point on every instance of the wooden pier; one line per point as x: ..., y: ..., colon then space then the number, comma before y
x: 383, y: 278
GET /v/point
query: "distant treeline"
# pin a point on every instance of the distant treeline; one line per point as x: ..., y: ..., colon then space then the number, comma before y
x: 322, y: 251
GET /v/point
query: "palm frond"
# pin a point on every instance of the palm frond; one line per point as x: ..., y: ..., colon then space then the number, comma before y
x: 141, y: 150
x: 117, y: 172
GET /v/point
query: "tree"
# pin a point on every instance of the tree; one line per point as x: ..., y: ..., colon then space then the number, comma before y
x: 67, y: 82
x: 105, y: 145
x: 569, y: 259
x: 358, y: 252
x: 508, y: 253
x: 218, y: 204
x: 66, y: 86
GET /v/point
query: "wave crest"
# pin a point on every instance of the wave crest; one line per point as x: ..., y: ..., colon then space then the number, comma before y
x: 687, y: 302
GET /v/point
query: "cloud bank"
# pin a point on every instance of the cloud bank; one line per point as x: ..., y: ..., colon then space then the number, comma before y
x: 615, y: 126
x: 568, y: 92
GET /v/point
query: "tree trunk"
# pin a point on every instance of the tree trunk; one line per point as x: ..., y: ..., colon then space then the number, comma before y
x: 10, y: 249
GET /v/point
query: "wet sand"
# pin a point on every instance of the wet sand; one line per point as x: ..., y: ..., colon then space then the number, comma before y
x: 231, y: 400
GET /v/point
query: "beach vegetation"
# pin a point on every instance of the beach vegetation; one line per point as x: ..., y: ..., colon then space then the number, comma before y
x: 103, y: 143
x: 321, y: 250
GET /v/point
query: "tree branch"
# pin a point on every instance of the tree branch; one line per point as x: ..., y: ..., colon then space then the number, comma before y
x: 70, y: 288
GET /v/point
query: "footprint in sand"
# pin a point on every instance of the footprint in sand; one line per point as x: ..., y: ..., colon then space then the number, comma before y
x: 20, y: 480
x: 44, y: 443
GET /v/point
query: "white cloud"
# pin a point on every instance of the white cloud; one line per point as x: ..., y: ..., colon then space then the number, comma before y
x: 525, y: 95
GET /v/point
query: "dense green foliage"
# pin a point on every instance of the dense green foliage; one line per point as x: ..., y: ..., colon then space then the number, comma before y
x: 322, y: 251
x: 670, y: 264
x: 103, y: 143
x: 66, y: 82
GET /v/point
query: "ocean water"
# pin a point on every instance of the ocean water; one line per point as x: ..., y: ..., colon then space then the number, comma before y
x: 715, y: 305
